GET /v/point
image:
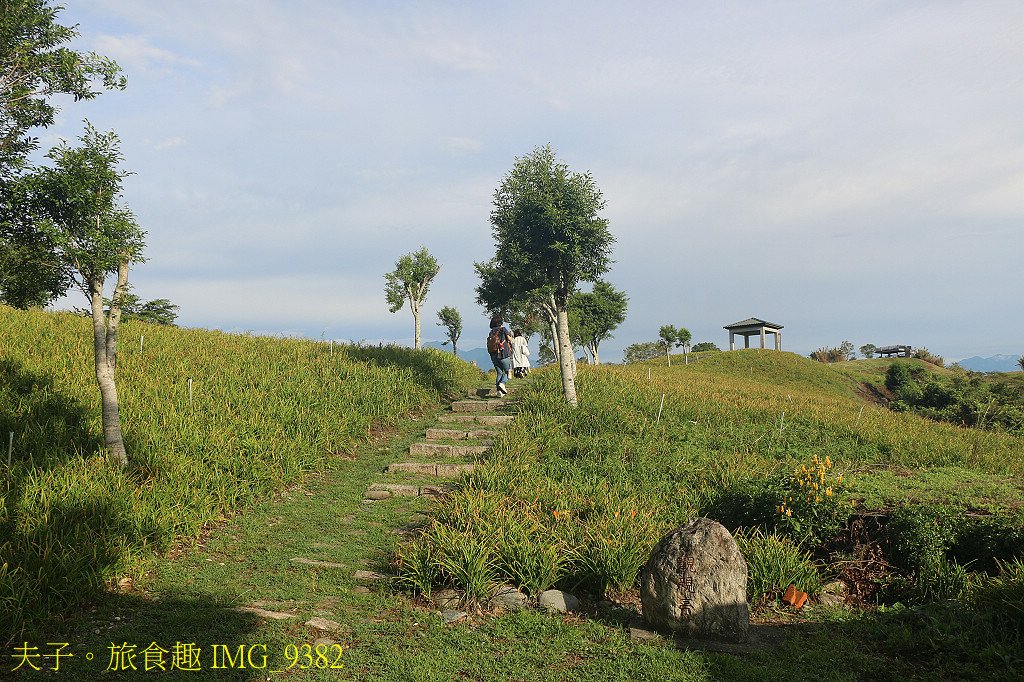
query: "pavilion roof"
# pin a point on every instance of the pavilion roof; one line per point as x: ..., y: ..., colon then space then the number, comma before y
x: 753, y: 322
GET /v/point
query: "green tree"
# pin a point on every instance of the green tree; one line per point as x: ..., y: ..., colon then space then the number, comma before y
x: 670, y: 336
x: 78, y: 201
x: 157, y: 311
x: 638, y: 352
x: 451, y: 320
x: 868, y: 350
x: 705, y: 346
x: 548, y: 239
x: 595, y: 315
x: 35, y: 65
x: 1020, y: 363
x: 410, y: 281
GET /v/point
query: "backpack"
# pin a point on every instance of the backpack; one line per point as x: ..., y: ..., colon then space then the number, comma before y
x: 498, y: 343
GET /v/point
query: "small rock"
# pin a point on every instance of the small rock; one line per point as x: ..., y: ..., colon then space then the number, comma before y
x: 641, y: 635
x: 369, y: 575
x: 830, y: 599
x: 446, y: 599
x: 561, y: 602
x: 323, y: 641
x: 273, y: 615
x: 359, y: 589
x: 324, y: 624
x: 450, y: 616
x: 316, y: 562
x: 509, y: 598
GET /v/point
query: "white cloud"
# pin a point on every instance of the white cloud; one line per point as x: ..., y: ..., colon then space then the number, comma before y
x: 135, y: 53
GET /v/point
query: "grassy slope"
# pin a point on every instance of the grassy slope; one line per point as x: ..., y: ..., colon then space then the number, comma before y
x: 263, y: 412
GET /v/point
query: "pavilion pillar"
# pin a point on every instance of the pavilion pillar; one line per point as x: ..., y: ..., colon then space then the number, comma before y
x: 778, y: 340
x: 746, y: 340
x: 732, y: 340
x: 762, y: 338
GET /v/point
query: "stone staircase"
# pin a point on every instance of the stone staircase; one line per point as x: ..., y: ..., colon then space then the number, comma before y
x: 464, y: 434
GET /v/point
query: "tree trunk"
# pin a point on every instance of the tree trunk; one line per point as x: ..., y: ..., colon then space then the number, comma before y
x: 593, y: 352
x: 566, y: 358
x: 105, y: 374
x: 416, y: 317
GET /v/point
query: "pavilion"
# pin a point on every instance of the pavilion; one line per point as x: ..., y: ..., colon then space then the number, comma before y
x: 754, y: 327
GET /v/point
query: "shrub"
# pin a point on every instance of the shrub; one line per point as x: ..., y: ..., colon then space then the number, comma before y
x: 919, y: 536
x: 704, y: 346
x: 774, y: 562
x: 638, y: 352
x: 841, y: 354
x: 611, y: 549
x: 813, y: 503
x: 924, y: 354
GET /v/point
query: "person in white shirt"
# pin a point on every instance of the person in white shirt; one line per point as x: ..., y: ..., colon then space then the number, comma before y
x: 520, y: 355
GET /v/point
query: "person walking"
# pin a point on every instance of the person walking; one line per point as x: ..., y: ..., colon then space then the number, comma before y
x: 499, y: 347
x: 520, y: 355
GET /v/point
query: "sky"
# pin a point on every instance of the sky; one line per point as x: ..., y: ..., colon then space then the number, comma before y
x: 849, y: 170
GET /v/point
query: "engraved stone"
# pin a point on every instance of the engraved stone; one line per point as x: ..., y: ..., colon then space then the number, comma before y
x: 695, y: 583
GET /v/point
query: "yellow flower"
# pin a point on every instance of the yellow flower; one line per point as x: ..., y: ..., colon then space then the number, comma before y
x: 817, y: 499
x: 840, y: 479
x: 828, y: 491
x: 828, y: 462
x: 815, y: 459
x: 789, y: 512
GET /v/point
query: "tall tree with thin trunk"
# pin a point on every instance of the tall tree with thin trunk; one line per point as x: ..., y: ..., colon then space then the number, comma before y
x: 410, y: 281
x: 78, y: 201
x: 36, y: 65
x: 451, y: 320
x: 549, y: 238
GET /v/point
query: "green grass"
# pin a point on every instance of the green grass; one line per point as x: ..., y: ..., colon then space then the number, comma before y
x: 610, y: 472
x: 603, y: 482
x: 263, y: 413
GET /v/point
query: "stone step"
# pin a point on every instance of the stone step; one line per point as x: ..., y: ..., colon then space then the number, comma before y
x: 486, y: 419
x: 384, y: 491
x: 489, y: 405
x: 445, y: 450
x: 457, y: 434
x: 489, y: 392
x: 428, y: 469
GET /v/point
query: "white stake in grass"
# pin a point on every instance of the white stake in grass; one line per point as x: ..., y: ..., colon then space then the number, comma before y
x: 659, y: 408
x: 142, y: 339
x: 190, y: 393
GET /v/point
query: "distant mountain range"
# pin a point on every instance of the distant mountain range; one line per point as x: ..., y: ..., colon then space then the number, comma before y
x: 479, y: 355
x: 993, y: 363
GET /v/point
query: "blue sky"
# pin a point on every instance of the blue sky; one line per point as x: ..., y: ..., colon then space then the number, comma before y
x: 849, y: 170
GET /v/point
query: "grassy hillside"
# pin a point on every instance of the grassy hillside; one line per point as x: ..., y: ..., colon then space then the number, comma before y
x: 577, y: 498
x: 260, y: 413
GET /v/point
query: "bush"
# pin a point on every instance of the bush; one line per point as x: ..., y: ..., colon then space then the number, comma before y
x: 638, y: 352
x: 919, y: 536
x: 841, y: 354
x: 704, y: 347
x: 774, y: 562
x: 813, y: 504
x: 924, y: 354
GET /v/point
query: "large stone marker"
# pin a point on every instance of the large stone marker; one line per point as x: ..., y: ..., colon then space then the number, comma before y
x: 695, y: 583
